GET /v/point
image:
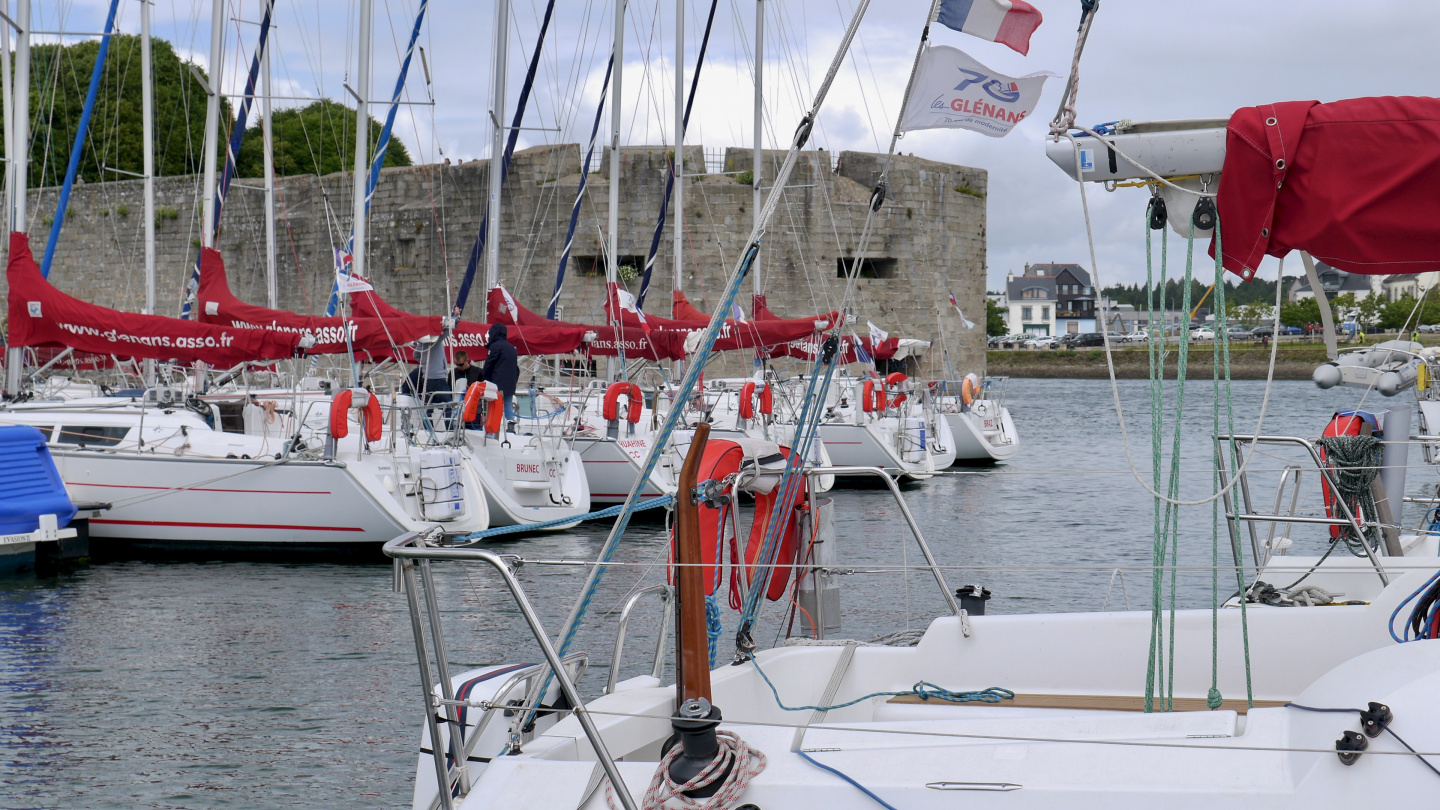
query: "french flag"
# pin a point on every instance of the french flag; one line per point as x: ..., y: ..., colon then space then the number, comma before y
x: 1008, y: 22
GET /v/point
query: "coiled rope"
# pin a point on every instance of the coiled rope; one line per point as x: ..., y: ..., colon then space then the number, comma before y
x: 1355, y: 461
x: 736, y: 763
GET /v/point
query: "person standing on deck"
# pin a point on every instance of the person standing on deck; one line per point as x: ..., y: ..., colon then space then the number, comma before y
x: 502, y: 367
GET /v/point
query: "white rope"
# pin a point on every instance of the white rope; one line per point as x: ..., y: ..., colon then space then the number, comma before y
x: 1065, y: 115
x: 736, y: 762
x: 1110, y: 360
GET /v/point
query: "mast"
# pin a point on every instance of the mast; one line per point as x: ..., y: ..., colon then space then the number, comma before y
x: 362, y: 140
x: 272, y: 282
x: 678, y: 164
x: 9, y: 124
x: 212, y: 124
x: 18, y: 121
x: 613, y: 226
x: 757, y: 163
x: 147, y: 118
x: 497, y: 142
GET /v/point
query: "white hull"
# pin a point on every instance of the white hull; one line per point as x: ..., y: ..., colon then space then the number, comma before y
x: 224, y: 500
x: 612, y: 467
x: 868, y: 445
x: 1074, y: 734
x: 524, y: 484
x: 986, y: 435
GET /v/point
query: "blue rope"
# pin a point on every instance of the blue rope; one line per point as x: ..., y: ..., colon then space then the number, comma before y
x: 1391, y: 626
x: 924, y: 690
x: 822, y: 766
x: 652, y: 503
x: 713, y: 627
x: 800, y: 446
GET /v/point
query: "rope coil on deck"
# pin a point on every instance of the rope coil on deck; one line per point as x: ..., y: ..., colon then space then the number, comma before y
x: 736, y: 763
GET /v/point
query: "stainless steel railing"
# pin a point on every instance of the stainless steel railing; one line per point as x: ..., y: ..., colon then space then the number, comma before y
x: 1234, y: 516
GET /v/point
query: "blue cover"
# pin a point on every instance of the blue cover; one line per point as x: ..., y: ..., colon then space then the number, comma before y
x: 30, y: 486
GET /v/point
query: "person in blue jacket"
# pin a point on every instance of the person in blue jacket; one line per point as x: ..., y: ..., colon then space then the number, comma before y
x: 502, y: 367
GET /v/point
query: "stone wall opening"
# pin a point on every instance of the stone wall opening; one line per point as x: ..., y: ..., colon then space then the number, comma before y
x: 869, y: 268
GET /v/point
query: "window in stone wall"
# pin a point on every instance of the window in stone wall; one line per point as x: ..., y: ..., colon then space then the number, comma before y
x: 594, y: 266
x: 869, y: 268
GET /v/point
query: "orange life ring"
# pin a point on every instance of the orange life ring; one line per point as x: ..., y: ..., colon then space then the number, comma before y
x: 895, y: 378
x: 374, y: 419
x: 473, y: 395
x: 723, y: 458
x: 872, y: 398
x: 747, y: 400
x: 340, y: 415
x: 494, y: 415
x: 968, y: 390
x: 635, y: 403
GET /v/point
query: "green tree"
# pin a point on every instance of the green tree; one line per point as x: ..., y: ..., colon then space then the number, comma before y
x: 994, y: 319
x: 1299, y: 313
x: 1372, y: 308
x: 316, y: 139
x: 59, y: 80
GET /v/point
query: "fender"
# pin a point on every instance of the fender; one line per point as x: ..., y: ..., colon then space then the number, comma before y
x: 747, y: 400
x: 340, y: 415
x: 1344, y: 423
x: 494, y: 416
x: 635, y: 403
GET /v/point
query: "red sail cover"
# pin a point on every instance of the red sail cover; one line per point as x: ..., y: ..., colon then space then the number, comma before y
x: 1352, y: 182
x: 809, y: 349
x: 374, y: 338
x: 472, y: 337
x: 41, y: 315
x: 501, y: 307
x: 733, y: 335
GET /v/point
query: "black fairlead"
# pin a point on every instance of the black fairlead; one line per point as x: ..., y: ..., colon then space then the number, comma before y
x: 1204, y: 216
x: 1158, y: 216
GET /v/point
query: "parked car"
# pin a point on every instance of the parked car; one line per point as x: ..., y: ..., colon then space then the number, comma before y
x: 1088, y: 340
x: 1262, y: 331
x: 1138, y: 336
x: 1428, y: 329
x: 1239, y: 333
x: 1202, y: 333
x: 1042, y: 342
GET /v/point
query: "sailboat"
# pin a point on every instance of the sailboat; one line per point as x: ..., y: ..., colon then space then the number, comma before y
x: 306, y: 463
x: 1260, y: 694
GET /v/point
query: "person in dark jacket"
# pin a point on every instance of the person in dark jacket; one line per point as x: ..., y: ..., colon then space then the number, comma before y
x: 465, y: 372
x: 502, y: 367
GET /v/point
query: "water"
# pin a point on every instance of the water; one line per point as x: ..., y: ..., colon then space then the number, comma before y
x: 197, y: 683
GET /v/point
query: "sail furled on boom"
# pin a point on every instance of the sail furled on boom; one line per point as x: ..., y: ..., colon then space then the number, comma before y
x: 677, y: 163
x: 478, y: 249
x: 580, y: 192
x: 232, y: 152
x: 380, y: 147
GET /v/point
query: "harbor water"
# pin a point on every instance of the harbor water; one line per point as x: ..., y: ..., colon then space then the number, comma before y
x: 201, y: 683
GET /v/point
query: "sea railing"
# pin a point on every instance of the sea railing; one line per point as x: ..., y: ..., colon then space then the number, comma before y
x: 1242, y: 510
x: 413, y: 553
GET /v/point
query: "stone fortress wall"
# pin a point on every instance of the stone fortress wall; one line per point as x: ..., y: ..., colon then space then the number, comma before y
x: 928, y: 239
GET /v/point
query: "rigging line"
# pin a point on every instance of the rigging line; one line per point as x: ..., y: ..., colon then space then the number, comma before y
x: 677, y: 159
x: 477, y: 249
x: 1114, y: 384
x: 708, y: 338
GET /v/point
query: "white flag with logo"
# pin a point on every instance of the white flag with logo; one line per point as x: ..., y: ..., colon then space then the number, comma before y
x: 877, y: 335
x: 956, y: 92
x: 349, y: 285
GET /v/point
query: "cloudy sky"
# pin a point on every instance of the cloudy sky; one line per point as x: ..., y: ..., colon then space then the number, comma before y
x: 1146, y: 60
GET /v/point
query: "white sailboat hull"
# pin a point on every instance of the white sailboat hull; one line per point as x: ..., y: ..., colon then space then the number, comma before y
x: 987, y: 435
